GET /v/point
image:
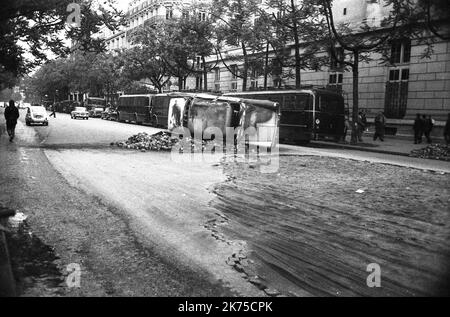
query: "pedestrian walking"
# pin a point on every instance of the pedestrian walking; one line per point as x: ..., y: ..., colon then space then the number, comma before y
x: 418, y: 129
x: 380, y: 124
x: 364, y: 120
x: 360, y: 126
x: 427, y: 127
x: 346, y: 125
x: 11, y: 116
x: 447, y: 130
x: 53, y: 111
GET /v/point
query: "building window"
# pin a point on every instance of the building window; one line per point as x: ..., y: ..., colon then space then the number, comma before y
x: 345, y: 11
x: 335, y: 80
x: 280, y: 14
x: 169, y: 13
x: 254, y: 84
x: 234, y: 86
x: 400, y: 52
x: 396, y: 93
x: 185, y: 14
x: 199, y: 82
x: 216, y: 74
x: 201, y: 16
x: 216, y: 87
x: 336, y: 57
x: 234, y: 71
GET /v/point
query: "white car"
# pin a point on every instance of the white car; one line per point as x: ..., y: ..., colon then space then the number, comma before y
x: 36, y: 114
x: 79, y: 112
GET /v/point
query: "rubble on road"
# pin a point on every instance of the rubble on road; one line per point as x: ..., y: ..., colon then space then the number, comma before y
x: 433, y: 151
x: 161, y: 141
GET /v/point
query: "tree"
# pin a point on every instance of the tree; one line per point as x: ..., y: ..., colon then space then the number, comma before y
x: 301, y: 24
x: 417, y: 16
x: 198, y: 33
x: 236, y: 28
x: 35, y: 26
x: 406, y: 19
x: 96, y: 74
x: 359, y: 43
x: 142, y: 62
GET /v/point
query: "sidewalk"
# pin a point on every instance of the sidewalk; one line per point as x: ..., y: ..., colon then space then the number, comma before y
x: 396, y: 145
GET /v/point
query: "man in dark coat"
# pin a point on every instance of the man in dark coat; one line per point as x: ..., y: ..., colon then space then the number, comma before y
x: 418, y: 129
x: 380, y: 124
x: 427, y: 127
x: 11, y: 116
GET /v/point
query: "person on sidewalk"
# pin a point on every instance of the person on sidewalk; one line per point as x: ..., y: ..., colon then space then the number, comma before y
x: 380, y: 123
x: 427, y: 127
x: 11, y: 116
x: 53, y: 111
x: 418, y: 129
x: 447, y: 130
x: 361, y: 126
x: 347, y: 126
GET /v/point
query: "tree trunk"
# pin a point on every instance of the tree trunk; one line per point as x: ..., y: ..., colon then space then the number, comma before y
x: 205, y: 75
x: 245, y: 70
x: 266, y: 66
x: 297, y: 49
x: 355, y: 69
x: 180, y: 83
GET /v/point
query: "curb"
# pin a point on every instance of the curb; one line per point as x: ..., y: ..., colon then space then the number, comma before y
x: 360, y: 148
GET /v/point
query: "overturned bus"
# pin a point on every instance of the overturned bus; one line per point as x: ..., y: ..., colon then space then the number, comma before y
x: 211, y: 116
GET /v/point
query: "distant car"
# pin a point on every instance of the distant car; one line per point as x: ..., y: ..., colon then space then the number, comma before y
x: 109, y: 114
x: 96, y: 112
x: 79, y: 112
x: 36, y: 115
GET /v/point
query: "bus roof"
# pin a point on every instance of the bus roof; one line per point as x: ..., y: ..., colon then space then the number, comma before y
x: 141, y: 95
x: 279, y: 92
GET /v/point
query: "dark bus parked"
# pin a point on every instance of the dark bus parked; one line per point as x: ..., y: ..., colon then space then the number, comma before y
x: 134, y: 108
x: 152, y: 109
x: 306, y: 114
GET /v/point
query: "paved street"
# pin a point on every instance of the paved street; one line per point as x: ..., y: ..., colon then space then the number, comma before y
x: 139, y: 223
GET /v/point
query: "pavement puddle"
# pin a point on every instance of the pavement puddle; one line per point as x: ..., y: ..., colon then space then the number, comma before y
x: 33, y: 262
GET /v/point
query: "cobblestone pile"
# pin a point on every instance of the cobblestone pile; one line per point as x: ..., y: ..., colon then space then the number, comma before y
x: 161, y: 141
x: 433, y: 151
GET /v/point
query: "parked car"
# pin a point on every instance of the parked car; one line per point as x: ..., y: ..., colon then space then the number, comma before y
x: 96, y: 112
x: 79, y: 112
x: 36, y: 114
x: 109, y: 114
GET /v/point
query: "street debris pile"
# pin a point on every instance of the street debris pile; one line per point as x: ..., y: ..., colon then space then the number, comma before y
x: 161, y: 141
x: 433, y: 151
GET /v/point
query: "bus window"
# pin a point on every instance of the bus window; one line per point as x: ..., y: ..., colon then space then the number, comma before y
x: 331, y: 104
x: 304, y: 102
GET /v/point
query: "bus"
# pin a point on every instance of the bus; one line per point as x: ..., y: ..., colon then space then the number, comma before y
x: 152, y: 109
x: 134, y: 108
x: 306, y: 114
x: 95, y: 106
x: 229, y: 112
